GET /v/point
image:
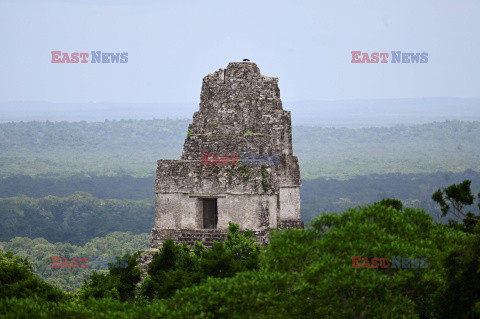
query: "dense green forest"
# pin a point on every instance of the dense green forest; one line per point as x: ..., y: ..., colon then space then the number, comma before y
x: 40, y: 251
x: 330, y: 271
x: 415, y: 190
x: 133, y: 146
x: 100, y: 186
x: 74, y: 219
x: 105, y: 148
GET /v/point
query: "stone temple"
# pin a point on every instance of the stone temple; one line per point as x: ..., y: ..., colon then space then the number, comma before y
x: 237, y: 164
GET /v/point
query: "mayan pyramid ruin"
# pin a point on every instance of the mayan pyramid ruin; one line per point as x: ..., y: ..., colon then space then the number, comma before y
x: 237, y: 164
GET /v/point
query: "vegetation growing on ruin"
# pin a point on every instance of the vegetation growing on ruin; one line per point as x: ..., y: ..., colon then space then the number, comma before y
x: 213, y: 168
x: 245, y: 171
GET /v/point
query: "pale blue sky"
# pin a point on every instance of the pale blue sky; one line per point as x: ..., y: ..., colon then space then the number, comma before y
x: 171, y: 45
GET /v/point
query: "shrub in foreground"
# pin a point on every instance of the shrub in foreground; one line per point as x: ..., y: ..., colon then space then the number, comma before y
x: 18, y: 280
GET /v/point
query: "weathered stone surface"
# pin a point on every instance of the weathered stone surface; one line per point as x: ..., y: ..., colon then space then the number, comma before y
x: 192, y: 177
x: 234, y: 101
x: 144, y: 260
x: 204, y: 236
x: 290, y: 224
x: 240, y: 112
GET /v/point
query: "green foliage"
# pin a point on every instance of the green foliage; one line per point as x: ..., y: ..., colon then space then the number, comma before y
x: 17, y: 280
x: 243, y: 246
x: 458, y: 197
x: 100, y: 186
x: 74, y: 219
x: 219, y: 262
x: 256, y: 294
x: 172, y: 268
x: 302, y: 274
x: 389, y: 202
x: 120, y: 283
x: 322, y: 257
x: 40, y: 251
x: 100, y: 148
x: 198, y: 248
x: 175, y: 267
x: 189, y: 133
x: 344, y: 153
x: 249, y: 132
x: 92, y: 308
x: 167, y: 259
x: 467, y: 225
x: 414, y: 190
x: 460, y: 297
x: 244, y: 171
x: 99, y: 286
x: 307, y: 273
x: 214, y: 168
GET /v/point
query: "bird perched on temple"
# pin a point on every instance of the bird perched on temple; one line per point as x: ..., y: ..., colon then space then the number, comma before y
x: 246, y: 60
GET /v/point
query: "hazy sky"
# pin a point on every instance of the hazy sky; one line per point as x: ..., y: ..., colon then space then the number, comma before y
x: 172, y: 45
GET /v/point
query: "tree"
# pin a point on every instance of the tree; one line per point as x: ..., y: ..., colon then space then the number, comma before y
x: 243, y: 246
x: 120, y: 283
x: 389, y: 202
x: 176, y: 267
x: 455, y: 198
x: 460, y: 297
x: 18, y: 280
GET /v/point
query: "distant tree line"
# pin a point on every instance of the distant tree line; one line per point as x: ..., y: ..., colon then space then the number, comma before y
x: 75, y: 219
x: 133, y: 146
x: 415, y: 190
x: 100, y: 186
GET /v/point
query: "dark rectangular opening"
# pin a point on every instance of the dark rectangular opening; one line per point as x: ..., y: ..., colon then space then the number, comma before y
x: 210, y: 213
